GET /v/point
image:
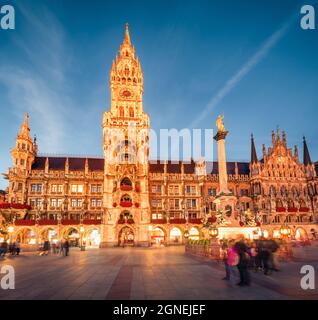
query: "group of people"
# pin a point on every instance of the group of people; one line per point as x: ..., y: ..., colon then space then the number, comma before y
x: 60, y: 247
x: 242, y: 255
x: 12, y: 248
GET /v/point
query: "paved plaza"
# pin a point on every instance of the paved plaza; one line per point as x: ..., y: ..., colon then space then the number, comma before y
x: 144, y: 273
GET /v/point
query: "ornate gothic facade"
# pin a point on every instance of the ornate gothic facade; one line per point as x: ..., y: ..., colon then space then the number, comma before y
x: 125, y: 197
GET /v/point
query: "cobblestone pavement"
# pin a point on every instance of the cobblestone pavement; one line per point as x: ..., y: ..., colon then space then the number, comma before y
x: 141, y: 273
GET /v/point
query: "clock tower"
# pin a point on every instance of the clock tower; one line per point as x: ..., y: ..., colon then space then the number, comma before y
x: 126, y: 151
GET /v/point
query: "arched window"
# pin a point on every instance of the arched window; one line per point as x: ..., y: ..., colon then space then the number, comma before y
x: 279, y: 203
x: 131, y: 112
x: 283, y: 191
x: 125, y: 198
x: 290, y: 203
x: 126, y: 181
x: 175, y: 235
x: 126, y: 185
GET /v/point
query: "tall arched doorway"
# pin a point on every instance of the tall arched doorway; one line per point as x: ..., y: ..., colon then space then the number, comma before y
x: 301, y: 234
x: 175, y: 236
x: 48, y: 234
x: 26, y: 236
x: 92, y: 238
x: 126, y: 237
x: 158, y: 236
x: 73, y: 236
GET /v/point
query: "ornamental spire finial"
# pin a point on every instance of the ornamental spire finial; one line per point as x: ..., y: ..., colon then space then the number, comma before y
x: 127, y: 36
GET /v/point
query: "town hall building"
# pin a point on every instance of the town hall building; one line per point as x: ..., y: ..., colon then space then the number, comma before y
x: 124, y: 198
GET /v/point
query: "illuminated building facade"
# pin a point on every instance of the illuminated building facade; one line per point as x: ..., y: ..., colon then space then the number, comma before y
x: 123, y: 197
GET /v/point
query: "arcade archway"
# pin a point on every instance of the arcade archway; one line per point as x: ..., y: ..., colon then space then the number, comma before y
x: 175, y: 236
x: 73, y: 236
x: 92, y: 238
x: 26, y: 236
x: 301, y: 234
x: 126, y: 236
x: 158, y: 236
x: 48, y: 234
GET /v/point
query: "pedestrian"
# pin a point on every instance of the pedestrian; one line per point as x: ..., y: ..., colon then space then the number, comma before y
x: 264, y: 253
x: 12, y: 248
x: 54, y: 247
x: 273, y: 247
x: 62, y: 248
x: 223, y: 255
x: 243, y: 263
x: 17, y: 248
x: 253, y: 255
x: 231, y: 261
x: 46, y: 247
x: 66, y: 248
x: 3, y: 248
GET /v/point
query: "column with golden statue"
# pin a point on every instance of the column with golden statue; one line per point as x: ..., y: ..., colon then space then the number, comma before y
x: 225, y: 201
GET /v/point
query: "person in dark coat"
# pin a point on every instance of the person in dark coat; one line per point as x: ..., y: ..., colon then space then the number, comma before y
x: 243, y: 264
x: 46, y: 247
x: 264, y: 254
x: 66, y: 247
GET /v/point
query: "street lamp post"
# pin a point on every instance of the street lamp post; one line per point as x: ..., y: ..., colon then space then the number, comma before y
x: 285, y: 231
x: 186, y: 236
x: 214, y: 232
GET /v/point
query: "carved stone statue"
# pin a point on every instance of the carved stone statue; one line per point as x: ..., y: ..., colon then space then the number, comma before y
x: 220, y: 123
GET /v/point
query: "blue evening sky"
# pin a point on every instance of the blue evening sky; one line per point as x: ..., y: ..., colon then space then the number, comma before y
x: 247, y: 59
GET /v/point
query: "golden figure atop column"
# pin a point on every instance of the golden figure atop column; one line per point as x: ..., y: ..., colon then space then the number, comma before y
x: 222, y: 133
x: 220, y: 123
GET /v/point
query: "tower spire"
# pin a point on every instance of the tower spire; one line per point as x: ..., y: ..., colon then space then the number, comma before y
x: 253, y: 150
x: 127, y: 36
x: 307, y: 160
x: 25, y: 130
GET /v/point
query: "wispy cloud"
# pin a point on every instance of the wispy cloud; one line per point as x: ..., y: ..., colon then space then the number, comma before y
x: 36, y: 84
x: 242, y: 72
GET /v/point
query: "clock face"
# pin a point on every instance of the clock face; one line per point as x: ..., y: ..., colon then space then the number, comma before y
x: 125, y: 93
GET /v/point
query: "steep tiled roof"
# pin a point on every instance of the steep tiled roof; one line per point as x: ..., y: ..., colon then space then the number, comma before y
x: 189, y: 167
x: 316, y: 167
x: 97, y: 164
x: 173, y: 167
x: 156, y: 166
x: 243, y: 168
x: 39, y: 163
x: 56, y: 163
x: 75, y: 164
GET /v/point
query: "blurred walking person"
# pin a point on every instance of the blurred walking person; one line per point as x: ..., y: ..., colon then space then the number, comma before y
x: 232, y: 259
x: 46, y: 247
x: 17, y: 248
x: 66, y: 246
x: 242, y: 266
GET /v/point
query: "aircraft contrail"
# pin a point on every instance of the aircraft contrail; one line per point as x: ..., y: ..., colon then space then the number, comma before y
x: 244, y: 70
